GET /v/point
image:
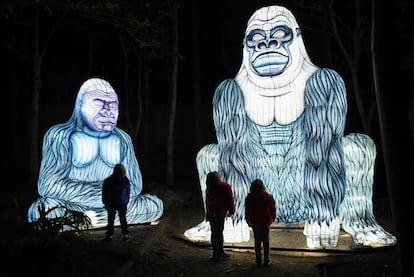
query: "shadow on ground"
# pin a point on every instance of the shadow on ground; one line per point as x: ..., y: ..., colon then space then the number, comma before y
x: 159, y: 249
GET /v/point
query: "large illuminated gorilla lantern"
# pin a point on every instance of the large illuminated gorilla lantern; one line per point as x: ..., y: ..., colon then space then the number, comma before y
x: 282, y: 119
x: 79, y: 154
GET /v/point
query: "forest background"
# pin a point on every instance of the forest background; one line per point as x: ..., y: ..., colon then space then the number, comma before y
x: 165, y: 59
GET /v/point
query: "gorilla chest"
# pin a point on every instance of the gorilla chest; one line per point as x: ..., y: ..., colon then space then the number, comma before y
x: 86, y: 149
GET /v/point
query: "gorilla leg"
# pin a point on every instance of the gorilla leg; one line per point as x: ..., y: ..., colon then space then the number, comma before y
x: 207, y: 161
x: 356, y: 209
x: 142, y: 209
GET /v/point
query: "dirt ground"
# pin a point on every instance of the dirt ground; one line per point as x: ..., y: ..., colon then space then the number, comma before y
x: 172, y: 256
x: 159, y: 250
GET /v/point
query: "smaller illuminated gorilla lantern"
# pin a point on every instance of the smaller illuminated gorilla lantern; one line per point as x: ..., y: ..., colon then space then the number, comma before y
x: 79, y: 154
x: 282, y: 120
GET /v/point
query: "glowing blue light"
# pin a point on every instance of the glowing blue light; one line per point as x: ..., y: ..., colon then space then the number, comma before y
x: 281, y: 120
x: 79, y: 154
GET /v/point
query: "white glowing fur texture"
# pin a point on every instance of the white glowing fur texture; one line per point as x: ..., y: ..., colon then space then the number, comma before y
x: 287, y: 130
x: 75, y: 163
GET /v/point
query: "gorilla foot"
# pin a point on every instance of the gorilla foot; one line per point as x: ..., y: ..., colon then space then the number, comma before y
x: 200, y: 232
x: 233, y: 232
x: 373, y: 235
x: 321, y: 235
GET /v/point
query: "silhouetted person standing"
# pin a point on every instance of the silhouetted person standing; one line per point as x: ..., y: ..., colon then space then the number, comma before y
x: 219, y: 205
x: 260, y: 213
x: 115, y: 197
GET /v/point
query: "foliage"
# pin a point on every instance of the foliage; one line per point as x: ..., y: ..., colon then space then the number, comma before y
x: 70, y: 220
x: 145, y: 23
x: 19, y: 237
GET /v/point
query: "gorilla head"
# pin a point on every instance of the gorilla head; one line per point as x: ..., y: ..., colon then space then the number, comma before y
x: 97, y: 107
x: 274, y: 53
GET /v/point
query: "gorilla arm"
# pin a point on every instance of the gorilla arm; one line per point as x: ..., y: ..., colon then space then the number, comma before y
x: 142, y: 208
x: 54, y: 180
x: 324, y: 123
x: 238, y: 140
x: 129, y: 160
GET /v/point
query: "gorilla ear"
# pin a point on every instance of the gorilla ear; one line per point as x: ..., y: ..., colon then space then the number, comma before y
x: 298, y: 31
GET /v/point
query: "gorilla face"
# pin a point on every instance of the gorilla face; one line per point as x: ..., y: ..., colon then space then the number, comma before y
x: 274, y: 55
x: 269, y: 53
x: 100, y: 110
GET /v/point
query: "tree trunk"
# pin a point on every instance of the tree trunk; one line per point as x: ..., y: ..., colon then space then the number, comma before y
x: 34, y: 113
x: 137, y: 125
x: 145, y: 146
x: 173, y: 100
x: 196, y: 74
x: 38, y: 54
x: 393, y: 107
x: 352, y: 56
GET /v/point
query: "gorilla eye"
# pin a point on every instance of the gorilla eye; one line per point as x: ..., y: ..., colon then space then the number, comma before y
x: 113, y: 105
x: 257, y: 37
x: 279, y: 34
x: 97, y: 103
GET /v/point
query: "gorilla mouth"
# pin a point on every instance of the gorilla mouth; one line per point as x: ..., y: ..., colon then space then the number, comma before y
x: 106, y: 123
x: 107, y: 120
x: 270, y: 59
x: 106, y: 126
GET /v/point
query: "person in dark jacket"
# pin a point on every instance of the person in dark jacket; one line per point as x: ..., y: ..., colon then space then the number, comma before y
x: 219, y: 205
x: 260, y: 213
x: 115, y: 197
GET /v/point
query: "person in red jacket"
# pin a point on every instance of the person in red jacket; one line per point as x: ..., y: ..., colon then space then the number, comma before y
x: 219, y: 205
x: 260, y: 213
